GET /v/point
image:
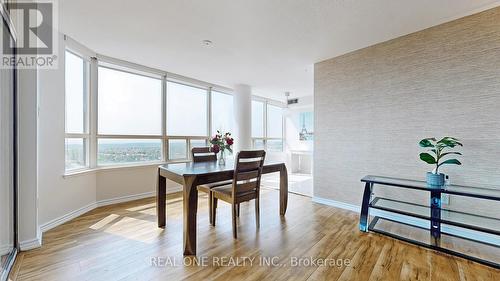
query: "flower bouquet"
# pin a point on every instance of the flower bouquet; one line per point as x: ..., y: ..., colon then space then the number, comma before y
x: 220, y: 143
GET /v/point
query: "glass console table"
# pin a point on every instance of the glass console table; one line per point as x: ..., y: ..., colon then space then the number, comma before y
x: 466, y: 235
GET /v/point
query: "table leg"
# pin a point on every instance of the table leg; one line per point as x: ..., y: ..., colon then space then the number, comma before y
x: 283, y: 190
x: 161, y: 200
x: 363, y: 219
x: 435, y: 217
x: 190, y: 203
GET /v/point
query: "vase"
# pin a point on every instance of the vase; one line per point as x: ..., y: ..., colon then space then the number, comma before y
x: 222, y: 158
x: 435, y: 180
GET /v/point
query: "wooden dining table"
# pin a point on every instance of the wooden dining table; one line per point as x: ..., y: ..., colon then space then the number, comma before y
x: 190, y: 175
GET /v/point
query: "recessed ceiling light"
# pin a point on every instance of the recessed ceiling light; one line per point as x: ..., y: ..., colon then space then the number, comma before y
x: 207, y: 42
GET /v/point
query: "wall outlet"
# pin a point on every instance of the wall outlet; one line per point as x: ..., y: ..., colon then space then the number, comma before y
x: 445, y: 199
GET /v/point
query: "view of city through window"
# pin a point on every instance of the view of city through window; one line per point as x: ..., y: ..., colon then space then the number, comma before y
x: 114, y: 151
x: 75, y: 153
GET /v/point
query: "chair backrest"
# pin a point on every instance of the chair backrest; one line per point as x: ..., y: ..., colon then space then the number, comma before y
x: 203, y: 154
x: 248, y: 171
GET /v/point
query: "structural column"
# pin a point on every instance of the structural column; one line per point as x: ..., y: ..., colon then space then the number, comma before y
x: 243, y: 117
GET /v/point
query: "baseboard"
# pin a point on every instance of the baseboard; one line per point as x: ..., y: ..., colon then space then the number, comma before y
x: 76, y: 213
x: 467, y: 233
x: 338, y: 204
x: 67, y: 217
x: 124, y: 199
x: 30, y: 244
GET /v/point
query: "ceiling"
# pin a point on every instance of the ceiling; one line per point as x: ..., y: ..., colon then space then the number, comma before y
x: 270, y: 45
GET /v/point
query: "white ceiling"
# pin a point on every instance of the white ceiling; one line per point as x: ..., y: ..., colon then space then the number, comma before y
x: 271, y: 45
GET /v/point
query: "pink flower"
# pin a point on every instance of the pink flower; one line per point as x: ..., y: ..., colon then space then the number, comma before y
x: 215, y: 148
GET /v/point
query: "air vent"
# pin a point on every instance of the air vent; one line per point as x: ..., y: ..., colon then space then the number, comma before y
x: 293, y: 101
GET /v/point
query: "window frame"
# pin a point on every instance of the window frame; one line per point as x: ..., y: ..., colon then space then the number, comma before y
x: 85, y: 135
x: 265, y: 138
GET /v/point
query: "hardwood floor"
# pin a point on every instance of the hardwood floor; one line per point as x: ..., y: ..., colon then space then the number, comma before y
x: 122, y: 242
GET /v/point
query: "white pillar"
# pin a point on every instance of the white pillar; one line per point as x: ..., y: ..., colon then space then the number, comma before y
x: 243, y: 117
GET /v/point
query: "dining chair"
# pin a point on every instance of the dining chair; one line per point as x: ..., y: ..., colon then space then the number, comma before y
x: 244, y: 187
x: 203, y: 154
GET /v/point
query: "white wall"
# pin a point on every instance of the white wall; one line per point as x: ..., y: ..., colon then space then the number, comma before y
x: 28, y: 231
x: 57, y: 195
x: 130, y: 181
x: 6, y: 167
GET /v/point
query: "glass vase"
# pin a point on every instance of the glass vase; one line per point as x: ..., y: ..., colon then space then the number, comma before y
x: 222, y: 158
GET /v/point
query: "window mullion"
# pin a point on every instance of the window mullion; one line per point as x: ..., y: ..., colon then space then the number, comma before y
x: 164, y: 118
x: 93, y: 94
x: 265, y: 125
x: 209, y: 111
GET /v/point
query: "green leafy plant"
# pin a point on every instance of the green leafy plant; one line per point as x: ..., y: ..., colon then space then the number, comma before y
x: 439, y: 149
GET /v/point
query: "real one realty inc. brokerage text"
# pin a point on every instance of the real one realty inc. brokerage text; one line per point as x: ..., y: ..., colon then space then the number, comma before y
x: 228, y: 261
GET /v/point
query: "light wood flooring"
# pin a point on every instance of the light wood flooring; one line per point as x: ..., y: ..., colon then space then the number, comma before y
x: 122, y: 242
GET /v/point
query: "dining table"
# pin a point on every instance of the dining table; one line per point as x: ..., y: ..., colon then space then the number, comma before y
x: 190, y: 175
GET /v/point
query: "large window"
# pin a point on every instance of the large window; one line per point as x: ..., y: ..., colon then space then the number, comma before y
x: 129, y: 104
x: 129, y: 117
x: 76, y: 118
x: 186, y: 110
x: 187, y: 119
x: 222, y: 112
x: 267, y: 126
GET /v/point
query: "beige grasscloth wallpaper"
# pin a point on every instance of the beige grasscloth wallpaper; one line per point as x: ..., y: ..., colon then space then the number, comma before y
x: 372, y: 106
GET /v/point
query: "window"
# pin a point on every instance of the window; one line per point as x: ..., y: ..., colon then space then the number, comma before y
x: 76, y: 105
x: 274, y: 122
x: 177, y: 149
x: 274, y: 145
x: 267, y: 126
x: 198, y: 143
x: 257, y: 119
x: 186, y: 110
x: 75, y: 153
x: 222, y: 112
x: 129, y: 128
x: 127, y: 151
x: 129, y: 104
x: 187, y: 119
x: 274, y: 140
x: 258, y: 144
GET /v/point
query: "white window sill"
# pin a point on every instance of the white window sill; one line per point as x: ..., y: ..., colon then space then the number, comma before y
x: 81, y: 172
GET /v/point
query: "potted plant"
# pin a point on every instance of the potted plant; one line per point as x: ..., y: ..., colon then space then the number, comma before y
x: 439, y: 150
x: 219, y: 143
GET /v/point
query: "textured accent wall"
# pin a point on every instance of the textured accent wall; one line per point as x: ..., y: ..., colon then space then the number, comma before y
x: 372, y: 106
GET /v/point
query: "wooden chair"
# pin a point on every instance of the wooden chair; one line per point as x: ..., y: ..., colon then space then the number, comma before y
x: 245, y: 185
x: 203, y: 154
